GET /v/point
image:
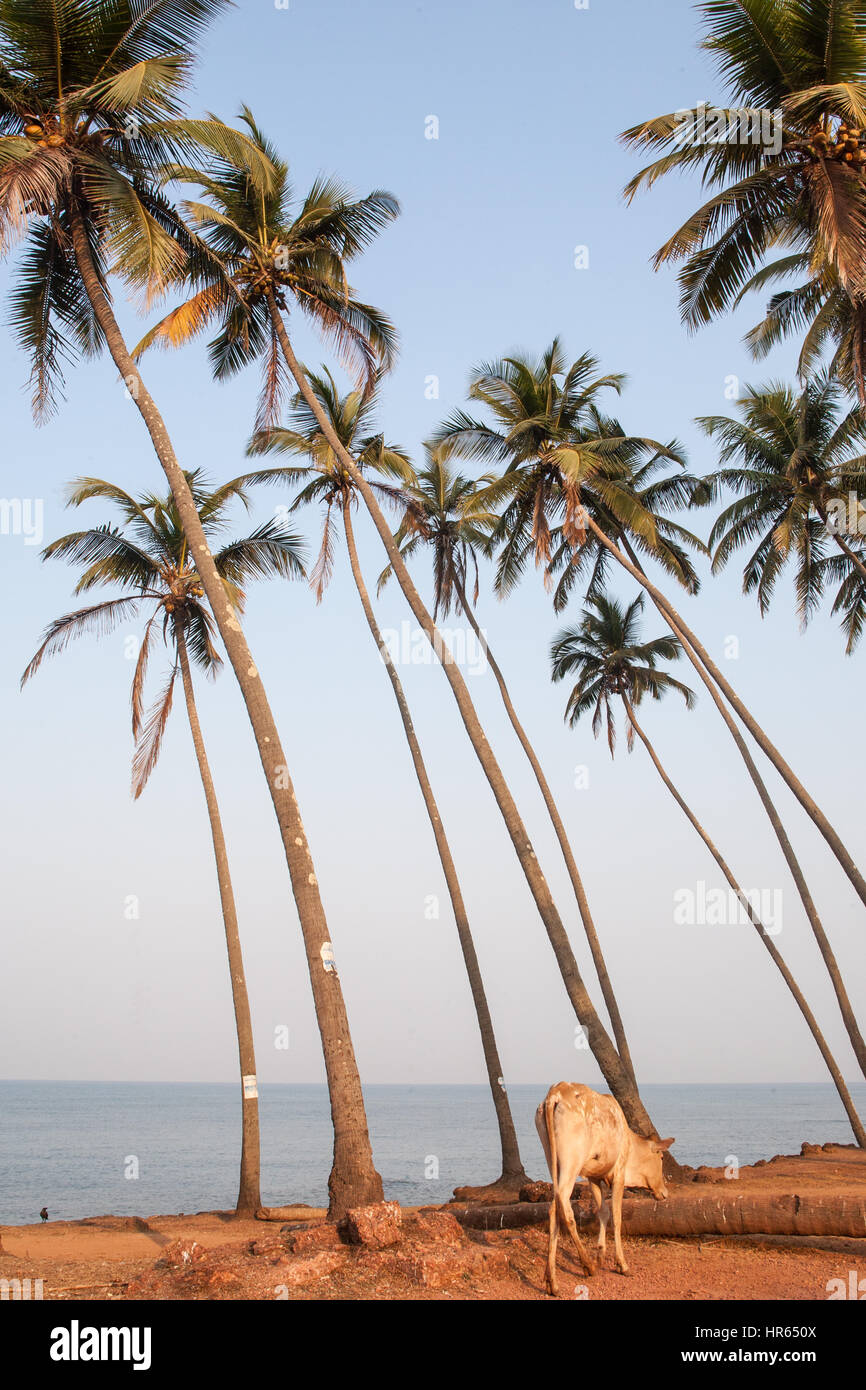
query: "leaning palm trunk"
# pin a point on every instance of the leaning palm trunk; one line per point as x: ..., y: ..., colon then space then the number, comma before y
x: 664, y: 606
x: 559, y: 828
x: 827, y: 953
x: 512, y: 1166
x: 249, y: 1191
x: 832, y: 1066
x: 353, y: 1179
x: 619, y: 1079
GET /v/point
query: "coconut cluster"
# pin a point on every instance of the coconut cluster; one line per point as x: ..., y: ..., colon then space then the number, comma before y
x: 45, y: 133
x: 843, y: 145
x: 178, y: 601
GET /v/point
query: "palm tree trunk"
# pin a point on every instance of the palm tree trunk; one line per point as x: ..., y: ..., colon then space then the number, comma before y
x: 855, y: 559
x: 832, y: 1066
x: 559, y: 828
x: 249, y: 1191
x: 353, y: 1180
x: 512, y: 1166
x: 670, y: 613
x: 618, y: 1078
x: 827, y: 954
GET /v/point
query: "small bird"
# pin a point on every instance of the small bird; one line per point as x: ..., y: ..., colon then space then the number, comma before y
x: 44, y: 1213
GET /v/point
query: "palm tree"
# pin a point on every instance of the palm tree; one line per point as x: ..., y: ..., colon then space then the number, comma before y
x: 562, y: 460
x: 271, y: 261
x: 148, y: 558
x: 802, y: 189
x: 606, y: 655
x: 442, y: 513
x: 793, y: 464
x: 819, y: 307
x: 324, y: 481
x: 90, y: 119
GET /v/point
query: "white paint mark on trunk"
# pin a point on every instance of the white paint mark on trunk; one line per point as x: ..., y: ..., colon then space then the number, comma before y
x: 327, y: 954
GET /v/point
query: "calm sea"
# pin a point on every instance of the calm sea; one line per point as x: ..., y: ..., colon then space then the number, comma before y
x: 70, y: 1145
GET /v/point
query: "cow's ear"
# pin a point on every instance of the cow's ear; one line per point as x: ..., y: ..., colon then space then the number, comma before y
x: 664, y: 1144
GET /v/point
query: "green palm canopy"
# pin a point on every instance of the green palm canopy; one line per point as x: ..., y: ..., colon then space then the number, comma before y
x: 445, y: 512
x: 147, y: 558
x: 605, y: 653
x: 268, y: 255
x: 800, y: 192
x: 794, y: 462
x: 562, y: 458
x: 325, y: 479
x: 91, y: 112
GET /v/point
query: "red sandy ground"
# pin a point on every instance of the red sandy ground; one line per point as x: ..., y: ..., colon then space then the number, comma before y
x: 121, y: 1258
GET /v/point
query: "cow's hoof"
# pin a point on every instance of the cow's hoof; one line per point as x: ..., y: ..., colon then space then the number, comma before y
x: 624, y: 1271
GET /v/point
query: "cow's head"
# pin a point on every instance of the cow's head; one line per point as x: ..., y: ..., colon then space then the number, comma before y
x: 644, y: 1168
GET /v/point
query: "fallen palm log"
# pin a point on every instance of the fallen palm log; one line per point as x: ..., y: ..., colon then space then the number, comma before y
x: 698, y: 1214
x: 296, y: 1213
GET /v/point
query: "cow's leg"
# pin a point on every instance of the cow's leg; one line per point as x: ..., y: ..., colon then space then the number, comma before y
x: 601, y: 1208
x: 565, y: 1185
x: 617, y: 1187
x: 552, y: 1238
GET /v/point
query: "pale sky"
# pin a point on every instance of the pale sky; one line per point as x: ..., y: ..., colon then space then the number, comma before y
x: 529, y: 99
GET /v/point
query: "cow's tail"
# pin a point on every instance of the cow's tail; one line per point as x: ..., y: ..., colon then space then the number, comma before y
x: 549, y: 1110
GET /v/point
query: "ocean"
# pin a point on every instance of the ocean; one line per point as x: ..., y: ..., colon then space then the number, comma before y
x: 89, y: 1148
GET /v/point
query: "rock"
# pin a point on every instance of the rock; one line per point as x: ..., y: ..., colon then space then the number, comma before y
x: 536, y: 1192
x: 376, y: 1226
x: 543, y: 1192
x: 309, y: 1269
x: 807, y: 1149
x: 180, y: 1253
x: 313, y: 1238
x: 434, y: 1269
x: 115, y: 1223
x: 221, y: 1279
x: 269, y: 1247
x: 704, y: 1174
x: 439, y: 1227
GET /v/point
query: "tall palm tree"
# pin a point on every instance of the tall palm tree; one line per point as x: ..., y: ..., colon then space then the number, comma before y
x: 442, y: 514
x: 612, y: 664
x: 793, y: 462
x: 147, y: 559
x: 324, y: 481
x: 561, y: 460
x: 273, y: 262
x: 801, y: 190
x: 90, y: 119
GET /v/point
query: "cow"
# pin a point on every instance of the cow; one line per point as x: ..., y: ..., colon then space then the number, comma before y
x: 584, y: 1133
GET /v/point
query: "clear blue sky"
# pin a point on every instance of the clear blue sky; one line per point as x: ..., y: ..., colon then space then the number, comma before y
x: 529, y: 98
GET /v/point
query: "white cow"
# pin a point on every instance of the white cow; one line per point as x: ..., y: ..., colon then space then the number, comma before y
x: 585, y: 1134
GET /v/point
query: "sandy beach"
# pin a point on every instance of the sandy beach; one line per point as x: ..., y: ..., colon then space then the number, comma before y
x: 211, y: 1255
